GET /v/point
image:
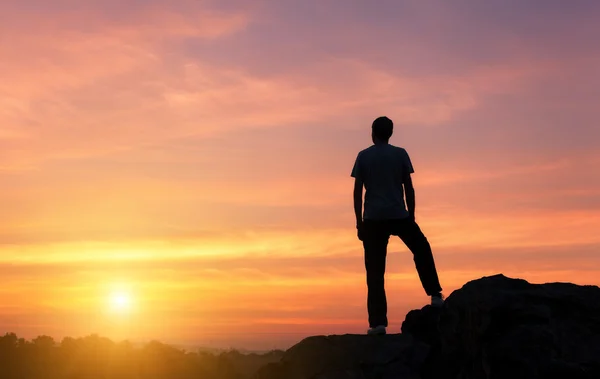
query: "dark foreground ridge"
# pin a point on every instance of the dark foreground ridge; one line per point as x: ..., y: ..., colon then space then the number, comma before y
x: 493, y: 328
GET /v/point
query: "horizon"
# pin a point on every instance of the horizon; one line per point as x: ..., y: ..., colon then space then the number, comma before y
x: 181, y: 172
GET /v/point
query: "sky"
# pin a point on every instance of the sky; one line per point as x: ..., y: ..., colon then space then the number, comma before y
x: 180, y: 170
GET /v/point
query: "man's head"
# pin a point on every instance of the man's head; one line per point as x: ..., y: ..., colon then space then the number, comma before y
x: 382, y: 129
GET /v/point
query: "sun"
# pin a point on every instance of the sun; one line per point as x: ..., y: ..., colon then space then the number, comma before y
x: 120, y: 301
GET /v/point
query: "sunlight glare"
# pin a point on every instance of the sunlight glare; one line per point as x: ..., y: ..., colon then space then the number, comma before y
x: 120, y: 302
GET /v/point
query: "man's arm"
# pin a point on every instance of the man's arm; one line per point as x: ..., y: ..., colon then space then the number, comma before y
x: 409, y: 192
x: 358, y: 192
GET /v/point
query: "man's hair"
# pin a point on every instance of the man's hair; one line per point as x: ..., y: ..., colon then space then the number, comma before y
x: 383, y: 128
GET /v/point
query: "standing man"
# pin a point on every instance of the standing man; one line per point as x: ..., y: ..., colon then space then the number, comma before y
x: 384, y: 170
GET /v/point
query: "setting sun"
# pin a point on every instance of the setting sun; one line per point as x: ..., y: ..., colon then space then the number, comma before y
x: 120, y: 302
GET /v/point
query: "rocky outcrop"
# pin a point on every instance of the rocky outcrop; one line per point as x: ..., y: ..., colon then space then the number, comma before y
x: 492, y: 328
x: 497, y: 327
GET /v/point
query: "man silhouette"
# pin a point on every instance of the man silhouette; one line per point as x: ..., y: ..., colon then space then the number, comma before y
x: 384, y: 170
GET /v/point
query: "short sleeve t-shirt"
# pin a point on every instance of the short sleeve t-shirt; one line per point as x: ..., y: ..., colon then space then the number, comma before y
x: 381, y: 168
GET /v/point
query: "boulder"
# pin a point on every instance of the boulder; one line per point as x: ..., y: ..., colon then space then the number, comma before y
x: 498, y: 327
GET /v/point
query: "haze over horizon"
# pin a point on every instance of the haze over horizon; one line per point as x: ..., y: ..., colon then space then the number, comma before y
x: 181, y: 171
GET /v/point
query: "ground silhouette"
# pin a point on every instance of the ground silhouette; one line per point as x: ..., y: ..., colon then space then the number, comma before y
x: 95, y: 357
x: 492, y: 328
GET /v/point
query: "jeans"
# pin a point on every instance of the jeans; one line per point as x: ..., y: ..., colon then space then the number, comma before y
x: 375, y: 235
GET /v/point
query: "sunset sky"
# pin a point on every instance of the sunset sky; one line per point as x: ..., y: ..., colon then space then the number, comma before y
x: 180, y: 170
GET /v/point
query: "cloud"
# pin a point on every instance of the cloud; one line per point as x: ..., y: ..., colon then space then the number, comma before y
x: 153, y: 104
x: 108, y: 84
x: 76, y: 88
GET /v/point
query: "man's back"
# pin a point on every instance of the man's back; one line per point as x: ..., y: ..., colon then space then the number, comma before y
x: 382, y: 168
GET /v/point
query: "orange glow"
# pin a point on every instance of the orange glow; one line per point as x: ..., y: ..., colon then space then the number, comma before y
x: 174, y: 171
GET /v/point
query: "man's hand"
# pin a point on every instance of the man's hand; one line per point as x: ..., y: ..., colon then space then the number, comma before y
x: 409, y: 191
x: 360, y: 230
x: 358, y: 191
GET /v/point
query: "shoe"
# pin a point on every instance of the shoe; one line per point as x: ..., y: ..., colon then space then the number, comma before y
x: 437, y: 300
x: 378, y: 330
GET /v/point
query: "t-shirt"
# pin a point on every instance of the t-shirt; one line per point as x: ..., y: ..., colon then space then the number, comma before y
x: 381, y: 168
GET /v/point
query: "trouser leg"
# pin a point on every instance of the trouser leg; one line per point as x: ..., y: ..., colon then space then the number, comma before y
x: 417, y: 243
x: 375, y: 245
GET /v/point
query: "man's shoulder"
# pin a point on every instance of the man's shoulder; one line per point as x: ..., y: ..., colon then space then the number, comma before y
x: 366, y: 151
x: 398, y: 149
x: 374, y: 149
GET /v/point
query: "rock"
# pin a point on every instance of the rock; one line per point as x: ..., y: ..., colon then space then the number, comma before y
x: 497, y: 327
x: 350, y: 356
x: 423, y: 324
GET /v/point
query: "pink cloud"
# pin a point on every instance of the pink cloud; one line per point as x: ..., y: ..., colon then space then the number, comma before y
x: 143, y: 101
